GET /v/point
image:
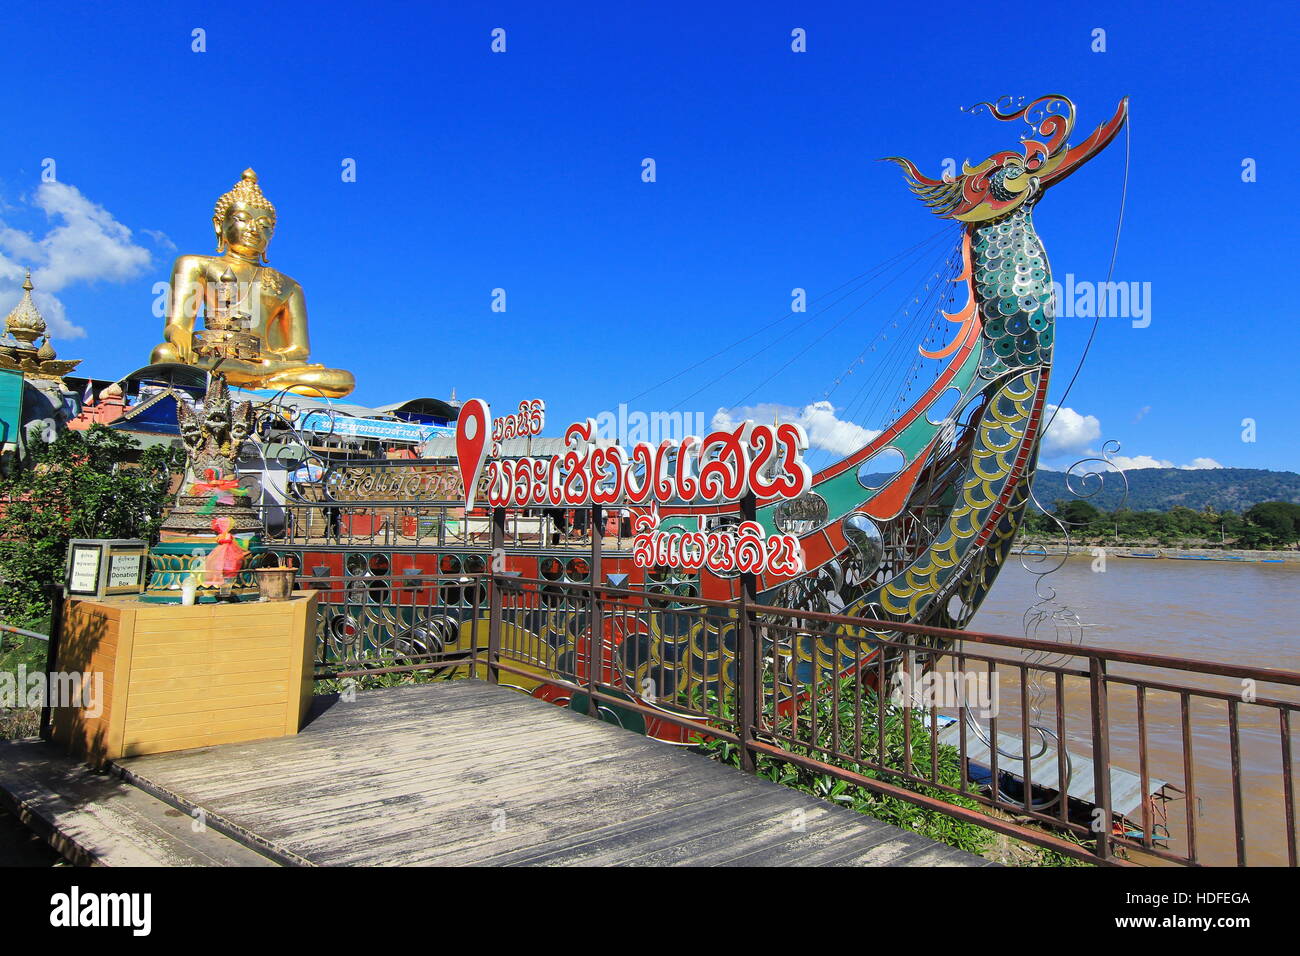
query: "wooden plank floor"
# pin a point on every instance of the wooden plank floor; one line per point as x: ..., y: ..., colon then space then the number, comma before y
x: 467, y: 773
x: 95, y: 820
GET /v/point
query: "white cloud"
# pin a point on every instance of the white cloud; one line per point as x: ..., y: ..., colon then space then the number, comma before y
x: 160, y: 238
x: 84, y: 243
x: 1069, y: 432
x: 825, y: 430
x: 1135, y: 462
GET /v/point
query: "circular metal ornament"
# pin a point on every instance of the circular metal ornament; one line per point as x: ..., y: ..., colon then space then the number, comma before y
x: 863, y: 535
x: 802, y: 515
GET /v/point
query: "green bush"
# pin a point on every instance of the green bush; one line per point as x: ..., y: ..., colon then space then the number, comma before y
x: 77, y: 487
x: 18, y: 656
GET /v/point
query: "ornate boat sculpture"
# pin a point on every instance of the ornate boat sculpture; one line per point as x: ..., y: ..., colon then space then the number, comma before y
x: 924, y: 542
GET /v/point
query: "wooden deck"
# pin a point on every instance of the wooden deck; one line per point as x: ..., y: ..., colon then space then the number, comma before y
x: 92, y: 819
x: 467, y: 773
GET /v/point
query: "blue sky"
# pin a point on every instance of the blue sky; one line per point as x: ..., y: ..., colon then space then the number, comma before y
x: 522, y: 171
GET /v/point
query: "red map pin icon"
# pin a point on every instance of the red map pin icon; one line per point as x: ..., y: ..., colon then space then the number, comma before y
x: 472, y: 432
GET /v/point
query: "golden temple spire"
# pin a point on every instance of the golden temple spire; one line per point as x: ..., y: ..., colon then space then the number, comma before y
x: 18, y: 351
x: 25, y: 322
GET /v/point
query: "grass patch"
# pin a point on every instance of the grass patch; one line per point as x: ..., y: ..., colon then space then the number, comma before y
x: 19, y: 656
x: 933, y: 824
x: 340, y: 685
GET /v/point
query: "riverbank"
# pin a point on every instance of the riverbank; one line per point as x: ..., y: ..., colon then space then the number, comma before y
x: 1084, y: 549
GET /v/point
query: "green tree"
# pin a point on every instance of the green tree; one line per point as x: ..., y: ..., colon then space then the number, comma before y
x: 1079, y: 515
x: 1233, y: 525
x: 77, y: 487
x: 1272, y: 523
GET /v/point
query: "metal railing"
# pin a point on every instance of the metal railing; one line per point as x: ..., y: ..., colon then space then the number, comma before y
x: 804, y: 688
x: 404, y: 524
x: 369, y: 623
x: 22, y: 632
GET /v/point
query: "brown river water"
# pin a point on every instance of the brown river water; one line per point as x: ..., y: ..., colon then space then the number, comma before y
x: 1229, y: 612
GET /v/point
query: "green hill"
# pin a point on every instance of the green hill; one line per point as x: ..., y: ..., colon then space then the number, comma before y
x: 1159, y: 489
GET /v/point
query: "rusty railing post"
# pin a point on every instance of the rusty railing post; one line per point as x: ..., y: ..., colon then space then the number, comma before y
x: 494, y: 594
x: 57, y: 599
x: 747, y: 656
x: 1100, y: 754
x: 475, y: 610
x: 596, y: 632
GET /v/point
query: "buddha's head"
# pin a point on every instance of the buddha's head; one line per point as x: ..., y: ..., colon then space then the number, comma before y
x: 244, y: 219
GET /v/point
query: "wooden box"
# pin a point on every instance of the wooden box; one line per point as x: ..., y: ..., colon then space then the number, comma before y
x: 175, y: 678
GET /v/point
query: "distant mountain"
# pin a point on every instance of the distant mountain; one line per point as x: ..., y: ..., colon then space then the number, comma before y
x: 1159, y: 489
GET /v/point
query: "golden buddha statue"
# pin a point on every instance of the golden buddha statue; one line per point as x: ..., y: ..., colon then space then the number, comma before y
x: 255, y: 318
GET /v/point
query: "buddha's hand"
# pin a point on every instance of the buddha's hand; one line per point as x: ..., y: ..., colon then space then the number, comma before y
x: 173, y: 351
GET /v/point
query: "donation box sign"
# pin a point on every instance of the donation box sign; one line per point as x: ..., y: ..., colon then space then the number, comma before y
x: 98, y: 567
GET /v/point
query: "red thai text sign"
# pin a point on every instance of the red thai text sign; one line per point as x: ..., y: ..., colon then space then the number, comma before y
x: 527, y: 422
x: 765, y: 460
